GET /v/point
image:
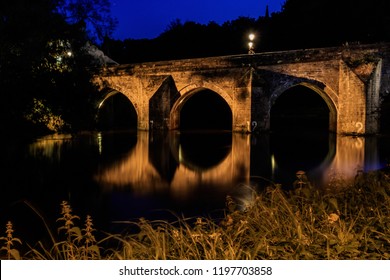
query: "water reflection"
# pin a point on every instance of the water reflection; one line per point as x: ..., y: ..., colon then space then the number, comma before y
x: 179, y: 166
x: 300, y: 151
x: 126, y: 175
x: 351, y: 155
x: 324, y: 157
x: 202, y: 151
x: 50, y: 146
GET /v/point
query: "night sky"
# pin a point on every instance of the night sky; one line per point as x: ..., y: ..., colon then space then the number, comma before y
x: 148, y: 19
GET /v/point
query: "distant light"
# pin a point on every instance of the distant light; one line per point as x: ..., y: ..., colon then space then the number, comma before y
x: 251, y: 44
x: 69, y: 53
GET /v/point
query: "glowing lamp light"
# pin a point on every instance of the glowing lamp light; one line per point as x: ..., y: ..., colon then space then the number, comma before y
x: 251, y: 44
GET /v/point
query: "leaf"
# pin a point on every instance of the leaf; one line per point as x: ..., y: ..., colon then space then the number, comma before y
x: 95, y: 249
x: 17, y: 240
x: 15, y: 254
x: 76, y: 231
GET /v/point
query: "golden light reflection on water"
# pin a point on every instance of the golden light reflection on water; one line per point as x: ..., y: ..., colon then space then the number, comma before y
x: 350, y: 156
x: 136, y: 171
x: 49, y: 146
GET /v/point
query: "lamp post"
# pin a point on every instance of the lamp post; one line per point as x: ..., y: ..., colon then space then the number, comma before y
x: 251, y: 44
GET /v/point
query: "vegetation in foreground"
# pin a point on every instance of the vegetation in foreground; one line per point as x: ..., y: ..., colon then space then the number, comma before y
x: 352, y: 223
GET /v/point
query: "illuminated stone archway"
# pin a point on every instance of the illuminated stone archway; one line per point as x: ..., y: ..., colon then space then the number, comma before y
x: 116, y: 111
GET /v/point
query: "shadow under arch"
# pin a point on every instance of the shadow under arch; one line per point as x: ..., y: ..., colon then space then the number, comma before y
x: 115, y: 111
x: 207, y: 109
x: 325, y: 93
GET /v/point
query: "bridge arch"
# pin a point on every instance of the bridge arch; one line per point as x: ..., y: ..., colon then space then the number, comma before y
x: 115, y: 110
x: 189, y: 92
x: 326, y: 93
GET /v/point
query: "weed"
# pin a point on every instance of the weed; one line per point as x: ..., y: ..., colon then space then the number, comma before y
x: 11, y: 252
x: 304, y: 223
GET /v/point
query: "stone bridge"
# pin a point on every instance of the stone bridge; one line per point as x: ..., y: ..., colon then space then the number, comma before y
x: 352, y: 80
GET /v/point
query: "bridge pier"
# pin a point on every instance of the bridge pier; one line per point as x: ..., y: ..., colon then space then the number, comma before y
x: 242, y: 118
x: 359, y: 99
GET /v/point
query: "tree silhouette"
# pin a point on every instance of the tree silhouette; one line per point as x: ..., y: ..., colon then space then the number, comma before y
x: 300, y: 24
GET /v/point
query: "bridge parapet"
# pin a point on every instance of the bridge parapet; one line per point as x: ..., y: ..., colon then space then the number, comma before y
x: 354, y: 53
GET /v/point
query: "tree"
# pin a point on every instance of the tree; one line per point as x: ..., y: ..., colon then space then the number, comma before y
x: 43, y: 67
x: 91, y: 15
x: 306, y: 23
x: 24, y: 47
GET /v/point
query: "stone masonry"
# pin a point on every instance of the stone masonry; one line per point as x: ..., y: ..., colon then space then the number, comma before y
x: 352, y: 80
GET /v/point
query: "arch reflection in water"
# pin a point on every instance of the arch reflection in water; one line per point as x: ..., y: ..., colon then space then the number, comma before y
x: 141, y: 174
x: 326, y: 158
x: 291, y: 152
x: 167, y: 167
x: 351, y: 155
x: 203, y: 151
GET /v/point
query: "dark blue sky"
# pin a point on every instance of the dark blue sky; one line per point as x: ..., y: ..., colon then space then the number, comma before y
x: 149, y: 18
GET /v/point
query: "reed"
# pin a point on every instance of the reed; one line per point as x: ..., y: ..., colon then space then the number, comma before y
x: 304, y: 223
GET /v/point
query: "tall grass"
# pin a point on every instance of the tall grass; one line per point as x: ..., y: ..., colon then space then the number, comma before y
x: 304, y: 223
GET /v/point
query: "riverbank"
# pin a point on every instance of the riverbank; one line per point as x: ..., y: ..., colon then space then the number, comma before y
x: 352, y: 223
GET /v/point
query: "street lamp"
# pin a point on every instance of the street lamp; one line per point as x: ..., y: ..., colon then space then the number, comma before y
x: 251, y: 44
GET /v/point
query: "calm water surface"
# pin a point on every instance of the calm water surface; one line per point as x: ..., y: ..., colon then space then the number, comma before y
x: 122, y: 176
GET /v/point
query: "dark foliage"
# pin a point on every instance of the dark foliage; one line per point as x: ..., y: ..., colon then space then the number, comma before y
x: 300, y: 24
x: 43, y: 64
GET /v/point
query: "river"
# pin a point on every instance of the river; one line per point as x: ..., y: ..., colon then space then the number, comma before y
x: 121, y: 176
